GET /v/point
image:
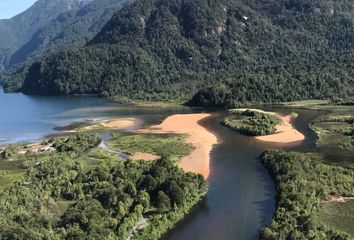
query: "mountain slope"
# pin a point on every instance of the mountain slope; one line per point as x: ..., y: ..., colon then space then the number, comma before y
x: 69, y: 29
x: 227, y: 51
x: 16, y: 31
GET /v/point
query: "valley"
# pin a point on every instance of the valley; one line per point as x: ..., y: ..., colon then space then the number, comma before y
x: 177, y: 119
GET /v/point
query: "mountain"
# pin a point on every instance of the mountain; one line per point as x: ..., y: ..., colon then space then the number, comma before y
x: 215, y: 52
x: 16, y: 31
x: 70, y: 29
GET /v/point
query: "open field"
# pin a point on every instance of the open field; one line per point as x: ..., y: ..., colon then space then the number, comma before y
x: 338, y: 215
x: 336, y: 138
x: 169, y: 146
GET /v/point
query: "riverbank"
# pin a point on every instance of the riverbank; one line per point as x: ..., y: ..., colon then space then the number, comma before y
x: 198, y: 136
x: 285, y: 133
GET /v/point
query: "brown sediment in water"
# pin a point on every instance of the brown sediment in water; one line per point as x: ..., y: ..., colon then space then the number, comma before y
x: 119, y: 124
x: 198, y: 136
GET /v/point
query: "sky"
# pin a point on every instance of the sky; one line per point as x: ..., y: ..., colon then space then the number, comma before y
x: 10, y: 8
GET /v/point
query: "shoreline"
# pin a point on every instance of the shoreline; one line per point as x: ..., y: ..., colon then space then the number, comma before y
x: 285, y: 131
x: 198, y: 136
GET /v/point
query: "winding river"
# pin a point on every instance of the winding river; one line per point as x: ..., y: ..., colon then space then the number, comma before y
x: 241, y: 197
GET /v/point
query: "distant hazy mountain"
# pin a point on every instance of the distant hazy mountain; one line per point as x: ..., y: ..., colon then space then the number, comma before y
x: 69, y: 29
x: 16, y: 31
x: 223, y: 51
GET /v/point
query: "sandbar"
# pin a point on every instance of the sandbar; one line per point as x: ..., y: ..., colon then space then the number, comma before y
x: 198, y: 136
x: 119, y: 123
x: 285, y: 131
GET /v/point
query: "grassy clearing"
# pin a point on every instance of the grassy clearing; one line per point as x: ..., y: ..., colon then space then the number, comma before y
x: 338, y: 216
x: 95, y: 157
x: 169, y: 146
x: 336, y: 138
x: 11, y: 166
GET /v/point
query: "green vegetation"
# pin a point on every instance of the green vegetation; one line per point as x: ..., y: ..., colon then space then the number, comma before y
x: 251, y: 123
x: 57, y: 25
x: 82, y: 192
x: 302, y: 183
x: 78, y: 143
x: 336, y: 137
x: 8, y: 152
x: 338, y: 215
x: 221, y: 52
x: 168, y: 146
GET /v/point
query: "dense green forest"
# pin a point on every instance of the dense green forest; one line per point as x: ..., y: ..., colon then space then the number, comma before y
x: 214, y: 53
x: 15, y: 32
x: 71, y: 29
x: 65, y: 29
x: 251, y: 123
x: 303, y: 182
x: 65, y: 194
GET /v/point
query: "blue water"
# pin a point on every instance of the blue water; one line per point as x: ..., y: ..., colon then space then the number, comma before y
x: 29, y: 118
x: 26, y: 118
x: 241, y: 197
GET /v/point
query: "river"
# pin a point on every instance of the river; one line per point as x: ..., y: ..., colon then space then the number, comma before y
x: 241, y: 197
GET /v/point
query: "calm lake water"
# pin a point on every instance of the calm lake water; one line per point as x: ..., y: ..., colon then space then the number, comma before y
x: 241, y: 197
x: 29, y: 118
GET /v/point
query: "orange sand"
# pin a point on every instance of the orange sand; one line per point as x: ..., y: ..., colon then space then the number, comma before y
x: 285, y: 133
x: 198, y: 136
x: 122, y: 123
x: 119, y: 123
x: 144, y: 156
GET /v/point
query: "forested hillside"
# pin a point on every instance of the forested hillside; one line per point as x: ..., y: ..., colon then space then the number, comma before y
x: 228, y: 51
x: 16, y: 31
x: 70, y: 29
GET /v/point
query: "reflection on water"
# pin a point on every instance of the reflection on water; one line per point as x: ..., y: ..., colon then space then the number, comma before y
x: 29, y: 118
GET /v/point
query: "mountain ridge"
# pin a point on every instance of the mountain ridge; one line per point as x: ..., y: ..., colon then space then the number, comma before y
x: 72, y: 29
x: 220, y: 52
x: 16, y: 31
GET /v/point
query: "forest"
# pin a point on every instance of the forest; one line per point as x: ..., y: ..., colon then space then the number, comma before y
x: 303, y: 183
x: 251, y: 123
x: 62, y: 195
x: 208, y: 53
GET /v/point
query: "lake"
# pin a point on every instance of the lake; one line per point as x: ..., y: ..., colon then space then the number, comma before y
x: 29, y: 118
x: 241, y: 197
